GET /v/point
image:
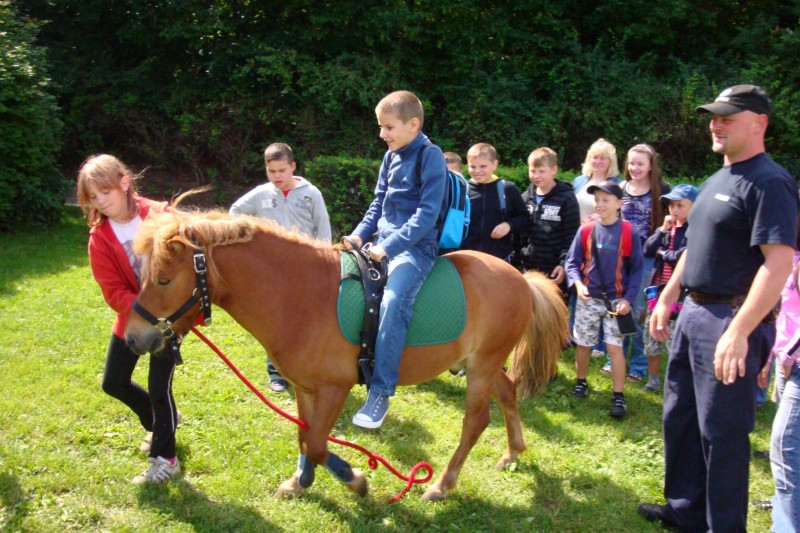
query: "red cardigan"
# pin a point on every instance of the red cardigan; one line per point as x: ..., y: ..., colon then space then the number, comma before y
x: 112, y: 270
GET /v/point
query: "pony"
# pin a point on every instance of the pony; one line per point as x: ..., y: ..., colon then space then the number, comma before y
x: 283, y: 289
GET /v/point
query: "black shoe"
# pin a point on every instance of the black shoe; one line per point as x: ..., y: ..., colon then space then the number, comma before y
x: 762, y: 505
x: 652, y: 512
x: 580, y: 390
x: 618, y: 407
x: 761, y: 454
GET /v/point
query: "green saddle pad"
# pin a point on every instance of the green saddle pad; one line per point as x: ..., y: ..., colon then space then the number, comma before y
x: 440, y: 310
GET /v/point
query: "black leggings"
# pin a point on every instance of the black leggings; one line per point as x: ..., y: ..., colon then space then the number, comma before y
x: 156, y: 409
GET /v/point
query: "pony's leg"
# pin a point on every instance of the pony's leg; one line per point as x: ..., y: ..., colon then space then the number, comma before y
x: 476, y: 418
x: 327, y: 408
x: 303, y: 477
x: 505, y: 394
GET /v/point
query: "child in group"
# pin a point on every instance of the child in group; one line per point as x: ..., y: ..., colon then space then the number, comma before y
x: 291, y: 201
x: 642, y: 206
x: 453, y: 161
x: 491, y: 225
x: 610, y: 257
x: 553, y: 218
x: 665, y: 247
x: 114, y: 211
x: 404, y: 212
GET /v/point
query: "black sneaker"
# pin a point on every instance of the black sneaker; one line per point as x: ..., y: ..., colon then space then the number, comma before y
x: 652, y: 512
x: 580, y: 390
x: 762, y: 505
x: 618, y: 407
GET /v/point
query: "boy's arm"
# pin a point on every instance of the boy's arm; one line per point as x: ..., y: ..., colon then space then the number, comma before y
x: 369, y: 224
x: 573, y: 260
x: 322, y: 222
x: 433, y: 180
x: 247, y: 204
x: 636, y: 269
x: 518, y: 219
x: 653, y: 243
x: 570, y: 223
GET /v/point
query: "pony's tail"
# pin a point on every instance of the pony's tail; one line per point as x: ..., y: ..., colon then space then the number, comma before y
x: 536, y: 355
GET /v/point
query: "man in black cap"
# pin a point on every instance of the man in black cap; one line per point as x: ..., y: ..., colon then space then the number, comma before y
x: 742, y: 230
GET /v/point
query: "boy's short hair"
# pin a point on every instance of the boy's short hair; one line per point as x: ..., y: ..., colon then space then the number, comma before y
x: 403, y: 104
x: 278, y: 151
x: 601, y: 147
x: 543, y: 157
x: 483, y: 150
x: 452, y: 158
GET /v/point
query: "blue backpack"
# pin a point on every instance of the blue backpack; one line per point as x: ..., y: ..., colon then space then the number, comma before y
x: 453, y: 222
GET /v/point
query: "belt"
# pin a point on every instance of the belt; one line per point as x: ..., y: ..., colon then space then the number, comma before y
x: 703, y: 298
x: 735, y: 301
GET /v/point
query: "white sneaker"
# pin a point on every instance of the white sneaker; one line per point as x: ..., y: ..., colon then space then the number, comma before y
x: 160, y: 471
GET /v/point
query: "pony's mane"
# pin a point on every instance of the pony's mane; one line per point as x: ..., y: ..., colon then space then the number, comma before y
x: 160, y: 235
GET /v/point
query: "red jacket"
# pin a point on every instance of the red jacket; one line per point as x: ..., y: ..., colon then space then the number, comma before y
x: 112, y: 270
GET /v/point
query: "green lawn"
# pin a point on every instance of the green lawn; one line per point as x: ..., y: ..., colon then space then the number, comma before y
x: 68, y: 451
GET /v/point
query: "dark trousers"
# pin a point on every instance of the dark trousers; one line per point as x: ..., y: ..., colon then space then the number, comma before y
x: 707, y: 424
x: 274, y: 375
x: 156, y: 409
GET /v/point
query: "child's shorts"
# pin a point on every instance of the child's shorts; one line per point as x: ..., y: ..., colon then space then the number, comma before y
x: 652, y: 347
x: 588, y: 317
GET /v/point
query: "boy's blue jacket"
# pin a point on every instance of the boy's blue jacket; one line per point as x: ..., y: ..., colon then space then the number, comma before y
x: 406, y: 207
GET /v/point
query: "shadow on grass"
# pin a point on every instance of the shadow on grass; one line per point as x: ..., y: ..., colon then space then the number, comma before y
x: 39, y: 252
x: 14, y: 502
x: 184, y: 503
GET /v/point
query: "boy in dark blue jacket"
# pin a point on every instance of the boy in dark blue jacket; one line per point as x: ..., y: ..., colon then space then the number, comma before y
x: 491, y: 226
x: 618, y: 257
x: 404, y: 213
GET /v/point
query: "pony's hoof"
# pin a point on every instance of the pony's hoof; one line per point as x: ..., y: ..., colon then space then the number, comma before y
x: 359, y: 483
x: 434, y: 494
x: 289, y: 489
x: 505, y: 460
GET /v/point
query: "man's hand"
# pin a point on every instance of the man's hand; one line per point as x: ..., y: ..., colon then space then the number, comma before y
x: 659, y: 322
x: 730, y: 357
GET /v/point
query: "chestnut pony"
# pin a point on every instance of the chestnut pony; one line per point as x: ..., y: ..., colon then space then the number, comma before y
x: 283, y: 289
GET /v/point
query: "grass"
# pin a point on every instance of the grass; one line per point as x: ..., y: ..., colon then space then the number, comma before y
x: 68, y: 451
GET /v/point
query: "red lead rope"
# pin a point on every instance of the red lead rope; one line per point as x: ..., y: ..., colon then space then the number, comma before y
x: 373, y: 458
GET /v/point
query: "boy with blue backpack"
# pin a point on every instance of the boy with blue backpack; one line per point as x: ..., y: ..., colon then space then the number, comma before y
x: 405, y: 212
x: 497, y: 211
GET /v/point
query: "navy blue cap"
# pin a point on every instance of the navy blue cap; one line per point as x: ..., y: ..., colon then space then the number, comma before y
x: 737, y: 99
x: 606, y: 186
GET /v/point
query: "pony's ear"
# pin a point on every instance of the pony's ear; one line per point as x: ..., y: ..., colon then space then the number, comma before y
x: 176, y: 246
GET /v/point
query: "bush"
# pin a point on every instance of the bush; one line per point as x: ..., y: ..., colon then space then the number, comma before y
x: 31, y: 188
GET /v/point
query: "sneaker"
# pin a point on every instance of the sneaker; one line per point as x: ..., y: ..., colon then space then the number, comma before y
x: 598, y: 353
x: 633, y: 378
x: 277, y: 386
x: 372, y: 413
x: 606, y: 369
x: 580, y: 390
x: 160, y: 471
x: 651, y: 387
x: 618, y: 407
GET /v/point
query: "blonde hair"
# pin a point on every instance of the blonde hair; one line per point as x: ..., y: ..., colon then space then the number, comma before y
x: 543, y: 157
x: 403, y: 104
x: 604, y: 148
x: 104, y: 172
x: 452, y: 158
x: 483, y: 150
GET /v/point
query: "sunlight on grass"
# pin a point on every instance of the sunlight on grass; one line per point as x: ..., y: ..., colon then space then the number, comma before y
x: 68, y: 451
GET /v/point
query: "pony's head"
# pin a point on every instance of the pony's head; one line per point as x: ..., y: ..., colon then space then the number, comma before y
x: 167, y: 243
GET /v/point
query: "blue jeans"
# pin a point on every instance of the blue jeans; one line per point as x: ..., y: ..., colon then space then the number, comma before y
x: 785, y: 456
x: 407, y: 273
x: 635, y: 343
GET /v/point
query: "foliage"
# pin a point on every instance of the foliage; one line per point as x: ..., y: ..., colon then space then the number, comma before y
x: 206, y: 85
x: 31, y: 188
x: 68, y: 450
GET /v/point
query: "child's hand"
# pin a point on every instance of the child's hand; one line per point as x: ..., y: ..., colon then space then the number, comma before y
x: 501, y: 230
x: 582, y: 291
x: 623, y: 307
x: 376, y: 253
x: 354, y: 238
x: 668, y: 223
x: 558, y: 274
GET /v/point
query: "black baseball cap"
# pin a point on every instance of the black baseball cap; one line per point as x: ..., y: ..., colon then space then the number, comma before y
x: 606, y: 186
x: 737, y: 99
